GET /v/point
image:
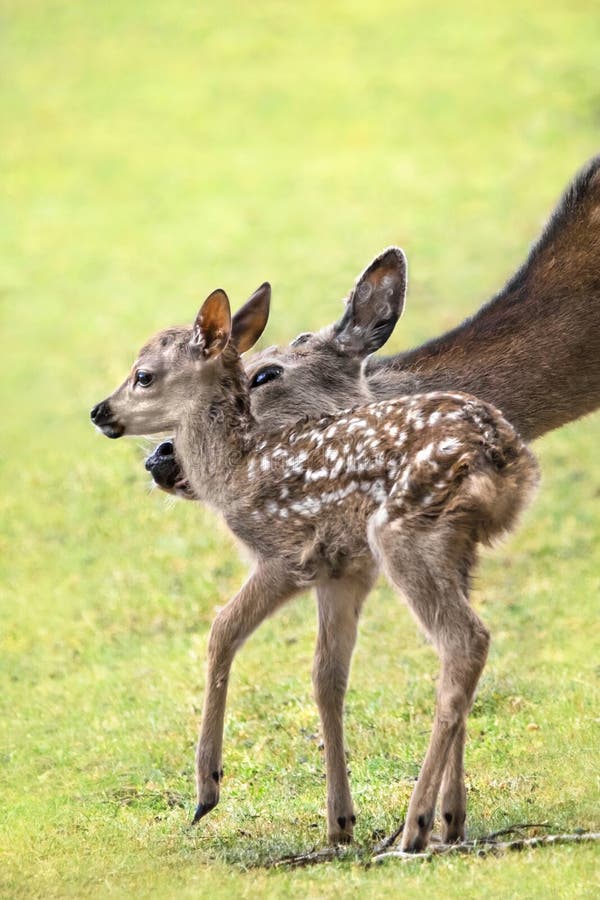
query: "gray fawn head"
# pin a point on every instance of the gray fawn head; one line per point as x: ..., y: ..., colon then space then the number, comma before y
x: 321, y: 373
x: 184, y: 363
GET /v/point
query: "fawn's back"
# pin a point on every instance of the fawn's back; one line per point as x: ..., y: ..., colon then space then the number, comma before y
x: 308, y: 494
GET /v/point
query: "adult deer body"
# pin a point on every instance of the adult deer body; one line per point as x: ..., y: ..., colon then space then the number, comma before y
x: 533, y: 350
x: 412, y: 485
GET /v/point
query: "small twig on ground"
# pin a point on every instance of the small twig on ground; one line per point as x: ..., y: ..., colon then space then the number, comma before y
x: 485, y: 847
x: 480, y: 847
x: 389, y: 841
x: 522, y: 826
x: 327, y: 854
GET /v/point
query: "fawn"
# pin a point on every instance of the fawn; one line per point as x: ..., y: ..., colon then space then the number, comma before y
x: 533, y: 350
x: 411, y: 485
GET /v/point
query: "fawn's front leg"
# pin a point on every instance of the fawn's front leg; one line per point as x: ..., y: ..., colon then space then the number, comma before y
x: 339, y: 605
x: 267, y: 588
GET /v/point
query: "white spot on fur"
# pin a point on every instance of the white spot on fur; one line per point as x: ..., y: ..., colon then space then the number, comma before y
x: 355, y: 424
x: 425, y: 453
x: 448, y: 445
x: 316, y: 474
x: 295, y: 464
x: 307, y: 507
x: 337, y: 468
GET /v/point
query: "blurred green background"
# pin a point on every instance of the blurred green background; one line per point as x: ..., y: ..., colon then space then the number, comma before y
x: 151, y: 151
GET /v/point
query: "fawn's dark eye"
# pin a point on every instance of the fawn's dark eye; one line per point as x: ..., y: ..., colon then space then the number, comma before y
x: 143, y: 378
x: 266, y: 374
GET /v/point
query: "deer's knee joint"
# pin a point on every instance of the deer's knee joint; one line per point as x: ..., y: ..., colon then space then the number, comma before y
x: 452, y: 707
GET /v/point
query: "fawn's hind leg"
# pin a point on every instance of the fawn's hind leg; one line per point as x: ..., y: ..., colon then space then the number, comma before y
x: 426, y: 561
x: 340, y: 602
x: 453, y: 792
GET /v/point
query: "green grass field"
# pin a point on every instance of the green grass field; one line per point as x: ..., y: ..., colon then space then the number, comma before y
x: 151, y: 151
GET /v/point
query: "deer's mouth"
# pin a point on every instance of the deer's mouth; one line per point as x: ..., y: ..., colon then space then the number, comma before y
x: 104, y: 420
x: 112, y: 430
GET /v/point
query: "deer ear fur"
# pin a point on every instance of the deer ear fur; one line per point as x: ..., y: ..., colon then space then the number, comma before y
x: 212, y: 328
x: 374, y: 305
x: 250, y: 321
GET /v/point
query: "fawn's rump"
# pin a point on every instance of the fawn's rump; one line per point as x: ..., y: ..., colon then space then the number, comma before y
x: 482, y: 482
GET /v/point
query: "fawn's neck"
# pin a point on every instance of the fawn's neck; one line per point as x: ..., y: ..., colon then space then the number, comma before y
x: 214, y: 434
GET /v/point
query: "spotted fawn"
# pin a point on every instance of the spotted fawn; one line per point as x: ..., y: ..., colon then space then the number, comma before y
x: 410, y: 486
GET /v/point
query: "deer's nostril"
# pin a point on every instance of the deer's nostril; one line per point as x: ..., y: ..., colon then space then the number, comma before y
x: 165, y: 449
x: 101, y: 413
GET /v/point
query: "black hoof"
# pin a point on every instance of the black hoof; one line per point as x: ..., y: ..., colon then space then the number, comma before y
x: 201, y: 810
x: 416, y: 846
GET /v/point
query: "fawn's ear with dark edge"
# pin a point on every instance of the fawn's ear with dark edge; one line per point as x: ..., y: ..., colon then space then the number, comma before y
x: 374, y: 305
x: 250, y: 321
x: 212, y: 328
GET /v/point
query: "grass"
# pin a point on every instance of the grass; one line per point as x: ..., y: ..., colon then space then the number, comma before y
x: 151, y: 151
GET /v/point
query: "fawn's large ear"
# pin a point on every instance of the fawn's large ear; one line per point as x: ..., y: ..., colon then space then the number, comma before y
x: 212, y: 328
x: 374, y: 305
x: 250, y: 321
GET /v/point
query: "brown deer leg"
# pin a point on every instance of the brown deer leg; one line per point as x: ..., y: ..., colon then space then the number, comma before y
x: 453, y: 794
x: 339, y: 605
x: 269, y: 586
x: 428, y: 568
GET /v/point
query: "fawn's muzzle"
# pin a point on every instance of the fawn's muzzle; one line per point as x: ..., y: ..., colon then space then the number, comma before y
x: 164, y: 468
x: 102, y: 417
x: 162, y: 465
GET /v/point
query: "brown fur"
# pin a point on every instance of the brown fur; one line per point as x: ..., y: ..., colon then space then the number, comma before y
x: 534, y: 349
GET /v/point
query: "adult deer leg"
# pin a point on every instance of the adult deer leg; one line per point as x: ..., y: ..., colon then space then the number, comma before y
x: 339, y: 606
x: 269, y: 586
x: 427, y: 570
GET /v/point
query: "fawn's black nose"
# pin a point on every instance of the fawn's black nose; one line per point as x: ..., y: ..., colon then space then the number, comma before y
x: 161, y: 463
x: 103, y: 418
x: 101, y: 413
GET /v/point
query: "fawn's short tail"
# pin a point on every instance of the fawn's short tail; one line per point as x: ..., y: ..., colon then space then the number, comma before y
x: 500, y: 483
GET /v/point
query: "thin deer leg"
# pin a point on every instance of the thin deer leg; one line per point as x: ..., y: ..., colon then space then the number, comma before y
x: 453, y: 793
x: 269, y: 586
x: 426, y: 565
x: 339, y: 605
